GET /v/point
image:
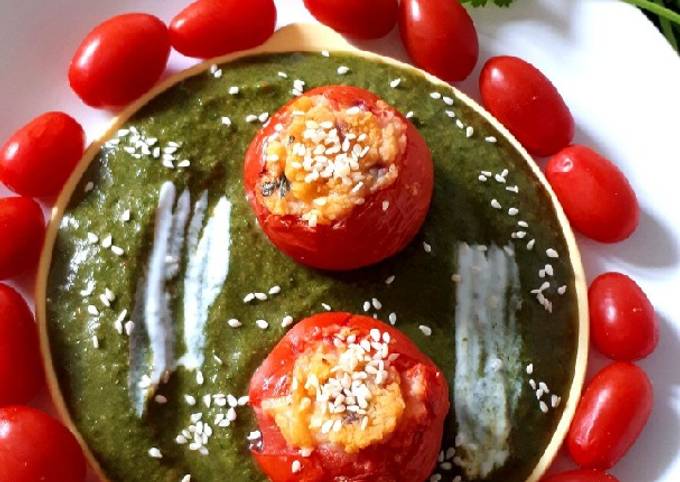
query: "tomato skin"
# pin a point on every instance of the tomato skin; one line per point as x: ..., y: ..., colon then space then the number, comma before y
x: 581, y: 476
x: 440, y: 37
x: 622, y: 321
x: 38, y: 158
x: 21, y: 374
x: 372, y: 463
x: 595, y: 194
x: 613, y: 411
x: 22, y: 229
x: 36, y: 447
x: 369, y: 234
x: 119, y: 60
x: 356, y: 18
x: 209, y: 28
x: 527, y: 103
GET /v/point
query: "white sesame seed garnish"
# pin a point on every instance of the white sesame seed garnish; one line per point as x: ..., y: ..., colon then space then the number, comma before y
x: 427, y: 247
x: 186, y: 478
x: 260, y: 296
x: 226, y: 120
x: 490, y: 139
x: 160, y: 399
x: 190, y: 400
x: 543, y: 406
x: 92, y: 238
x: 250, y: 118
x: 199, y: 377
x: 234, y: 90
x: 562, y: 289
x: 343, y: 69
x: 514, y: 189
x: 129, y: 327
x: 385, y: 205
x: 551, y: 253
x: 513, y: 212
x: 530, y: 368
x: 366, y: 306
x: 522, y: 224
x: 107, y: 242
x: 262, y: 324
x: 409, y: 114
x: 89, y: 186
x: 117, y: 250
x: 530, y: 244
x: 495, y: 204
x: 469, y: 131
x: 435, y: 95
x: 249, y: 297
x: 325, y: 53
x: 283, y: 75
x: 376, y: 304
x: 390, y: 279
x: 326, y: 306
x: 447, y: 100
x: 532, y: 383
x: 155, y: 453
x: 482, y: 178
x: 555, y: 401
x: 274, y: 290
x: 426, y: 330
x: 93, y: 310
x: 184, y: 163
x: 263, y: 117
x: 125, y: 217
x: 95, y: 342
x: 395, y: 83
x: 296, y: 466
x: 287, y: 321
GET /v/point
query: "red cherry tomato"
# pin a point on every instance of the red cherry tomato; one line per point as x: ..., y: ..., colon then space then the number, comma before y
x: 613, y: 411
x: 356, y: 18
x: 440, y: 37
x: 38, y: 158
x: 595, y: 195
x: 622, y: 321
x: 120, y: 60
x: 22, y: 228
x: 21, y: 374
x: 407, y: 454
x: 209, y: 28
x: 581, y: 476
x: 380, y: 227
x: 35, y: 447
x: 527, y: 103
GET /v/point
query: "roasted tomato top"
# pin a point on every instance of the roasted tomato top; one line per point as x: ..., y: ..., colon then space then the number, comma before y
x: 344, y: 397
x: 339, y: 179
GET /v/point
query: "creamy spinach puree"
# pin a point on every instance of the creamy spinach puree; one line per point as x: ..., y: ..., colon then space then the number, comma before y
x: 468, y: 277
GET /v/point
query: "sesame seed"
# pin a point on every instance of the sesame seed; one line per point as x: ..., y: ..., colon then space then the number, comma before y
x: 274, y: 290
x: 91, y: 309
x: 287, y: 321
x: 234, y: 90
x: 343, y: 69
x: 482, y: 178
x: 446, y: 466
x: 555, y: 401
x: 392, y: 318
x: 530, y: 368
x: 469, y: 131
x: 366, y: 306
x: 490, y: 139
x: 95, y: 342
x: 251, y: 118
x: 385, y: 205
x: 107, y: 242
x: 155, y: 453
x: 513, y: 211
x: 390, y: 279
x: 551, y: 253
x: 191, y: 401
x: 326, y: 306
x: 199, y: 377
x: 89, y: 186
x: 532, y: 383
x: 325, y: 53
x: 295, y: 467
x: 522, y: 224
x: 262, y: 324
x: 129, y: 327
x: 530, y: 244
x: 395, y: 83
x: 249, y: 297
x: 435, y: 95
x: 376, y: 303
x: 226, y: 120
x: 260, y: 296
x: 218, y: 360
x: 410, y: 114
x: 447, y: 100
x: 160, y: 399
x: 427, y: 247
x: 125, y: 217
x: 184, y: 163
x: 283, y: 75
x: 543, y: 406
x: 263, y: 117
x: 514, y: 189
x: 495, y: 204
x: 186, y: 478
x: 118, y: 251
x: 426, y: 330
x: 92, y: 238
x: 562, y: 289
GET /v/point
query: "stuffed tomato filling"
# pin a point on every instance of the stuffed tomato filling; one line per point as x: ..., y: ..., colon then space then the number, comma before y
x: 326, y: 156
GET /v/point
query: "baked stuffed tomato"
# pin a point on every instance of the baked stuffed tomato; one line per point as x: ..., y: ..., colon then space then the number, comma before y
x: 339, y: 179
x: 344, y: 397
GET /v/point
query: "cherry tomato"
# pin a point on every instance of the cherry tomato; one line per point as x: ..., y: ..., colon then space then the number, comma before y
x: 356, y: 18
x: 595, y: 195
x: 527, y: 103
x: 21, y: 374
x: 440, y: 37
x: 35, y: 447
x: 209, y: 28
x: 406, y: 453
x: 22, y: 228
x: 38, y: 158
x: 581, y: 476
x: 622, y: 321
x: 121, y: 59
x: 613, y: 411
x: 386, y: 220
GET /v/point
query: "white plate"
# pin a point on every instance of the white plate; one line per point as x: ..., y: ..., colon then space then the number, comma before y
x: 620, y: 78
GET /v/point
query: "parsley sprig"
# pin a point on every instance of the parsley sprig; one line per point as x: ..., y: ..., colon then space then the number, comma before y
x: 668, y: 17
